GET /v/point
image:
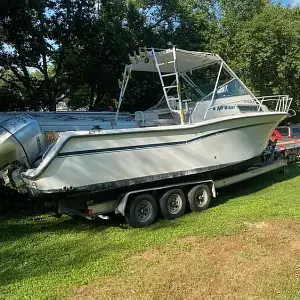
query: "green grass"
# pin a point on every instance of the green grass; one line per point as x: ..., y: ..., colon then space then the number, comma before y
x: 44, y: 258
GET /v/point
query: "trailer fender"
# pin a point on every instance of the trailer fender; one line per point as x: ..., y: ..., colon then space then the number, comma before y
x: 213, y: 189
x: 120, y: 208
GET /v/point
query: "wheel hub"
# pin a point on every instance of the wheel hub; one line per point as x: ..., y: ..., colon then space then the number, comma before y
x: 200, y: 198
x: 143, y: 210
x: 174, y: 204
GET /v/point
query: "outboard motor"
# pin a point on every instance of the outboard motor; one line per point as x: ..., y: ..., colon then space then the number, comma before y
x: 21, y: 143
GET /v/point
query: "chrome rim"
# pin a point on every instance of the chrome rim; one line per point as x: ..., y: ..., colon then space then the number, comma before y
x: 200, y: 197
x: 143, y: 210
x: 174, y: 203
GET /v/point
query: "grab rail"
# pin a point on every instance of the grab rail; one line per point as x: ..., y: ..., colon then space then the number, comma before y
x: 281, y: 103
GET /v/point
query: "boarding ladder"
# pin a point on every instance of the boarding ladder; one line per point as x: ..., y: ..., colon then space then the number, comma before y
x: 161, y: 67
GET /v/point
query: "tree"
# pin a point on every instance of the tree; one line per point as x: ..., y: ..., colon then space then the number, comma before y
x: 264, y: 49
x: 36, y: 34
x: 84, y: 43
x: 77, y: 48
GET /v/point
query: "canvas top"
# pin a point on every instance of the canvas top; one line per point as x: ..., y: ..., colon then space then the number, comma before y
x: 186, y: 60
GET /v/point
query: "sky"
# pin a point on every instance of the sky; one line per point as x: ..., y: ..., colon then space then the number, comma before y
x: 293, y: 3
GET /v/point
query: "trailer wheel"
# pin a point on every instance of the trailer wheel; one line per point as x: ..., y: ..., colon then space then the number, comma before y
x: 199, y: 197
x: 172, y: 204
x: 141, y: 211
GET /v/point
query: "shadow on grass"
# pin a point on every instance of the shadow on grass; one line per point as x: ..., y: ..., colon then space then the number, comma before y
x: 27, y: 222
x: 256, y: 184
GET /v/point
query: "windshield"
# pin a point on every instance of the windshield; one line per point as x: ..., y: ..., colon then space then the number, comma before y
x: 230, y: 89
x: 200, y: 84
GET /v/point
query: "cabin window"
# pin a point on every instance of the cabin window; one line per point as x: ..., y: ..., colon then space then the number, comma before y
x: 230, y: 89
x: 249, y: 108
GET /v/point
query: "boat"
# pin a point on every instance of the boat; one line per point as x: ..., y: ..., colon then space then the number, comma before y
x: 207, y: 122
x: 53, y: 124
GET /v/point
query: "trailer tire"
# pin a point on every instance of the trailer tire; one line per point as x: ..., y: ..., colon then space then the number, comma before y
x: 172, y: 204
x: 141, y: 211
x: 199, y: 197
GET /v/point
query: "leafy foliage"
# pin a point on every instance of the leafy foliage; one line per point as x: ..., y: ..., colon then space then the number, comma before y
x: 68, y: 49
x: 35, y: 34
x: 265, y: 49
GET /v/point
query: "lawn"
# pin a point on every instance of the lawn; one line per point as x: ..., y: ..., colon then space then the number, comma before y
x: 246, y: 246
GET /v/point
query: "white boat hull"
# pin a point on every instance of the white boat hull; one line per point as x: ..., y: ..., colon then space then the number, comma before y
x: 115, y: 158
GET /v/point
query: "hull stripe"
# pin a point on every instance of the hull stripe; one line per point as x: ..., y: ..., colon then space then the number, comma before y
x: 140, y: 147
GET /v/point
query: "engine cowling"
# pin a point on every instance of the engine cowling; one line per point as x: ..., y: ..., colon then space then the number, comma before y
x: 21, y: 143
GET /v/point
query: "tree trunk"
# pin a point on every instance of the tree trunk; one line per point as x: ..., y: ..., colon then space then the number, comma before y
x: 98, y: 99
x: 52, y: 101
x: 92, y: 95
